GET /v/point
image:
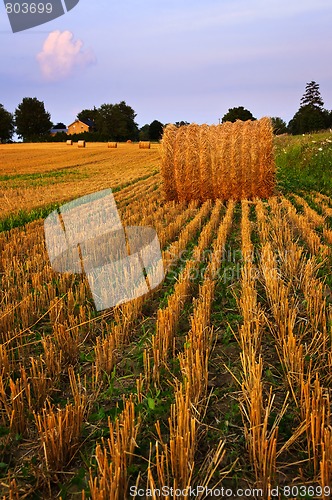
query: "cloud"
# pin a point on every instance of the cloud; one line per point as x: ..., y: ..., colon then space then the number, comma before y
x: 61, y: 56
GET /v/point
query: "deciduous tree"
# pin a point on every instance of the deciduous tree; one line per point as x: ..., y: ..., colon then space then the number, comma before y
x: 279, y: 125
x: 143, y: 134
x: 117, y: 121
x: 89, y: 114
x: 239, y: 113
x: 32, y: 121
x: 155, y: 130
x: 6, y: 125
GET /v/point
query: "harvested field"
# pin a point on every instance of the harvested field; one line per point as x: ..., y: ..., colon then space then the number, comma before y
x: 219, y: 377
x: 36, y: 175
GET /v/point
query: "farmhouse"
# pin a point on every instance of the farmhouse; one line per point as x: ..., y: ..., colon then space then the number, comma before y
x: 80, y: 126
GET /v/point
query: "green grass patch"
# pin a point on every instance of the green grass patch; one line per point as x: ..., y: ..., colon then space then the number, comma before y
x: 39, y: 179
x: 304, y: 163
x: 23, y: 217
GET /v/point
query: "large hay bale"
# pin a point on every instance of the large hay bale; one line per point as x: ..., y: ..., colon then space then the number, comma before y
x: 112, y: 145
x: 227, y: 161
x: 81, y: 144
x: 69, y: 143
x: 144, y: 145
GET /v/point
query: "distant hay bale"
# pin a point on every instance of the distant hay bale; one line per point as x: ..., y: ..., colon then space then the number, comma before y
x: 112, y: 145
x: 129, y: 141
x: 227, y: 161
x: 69, y: 143
x: 144, y: 145
x: 81, y: 144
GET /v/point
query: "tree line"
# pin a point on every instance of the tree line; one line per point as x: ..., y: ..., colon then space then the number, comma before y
x: 114, y: 122
x: 32, y: 123
x: 310, y: 117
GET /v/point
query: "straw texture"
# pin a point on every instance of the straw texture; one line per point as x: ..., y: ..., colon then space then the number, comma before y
x: 228, y: 161
x: 144, y: 145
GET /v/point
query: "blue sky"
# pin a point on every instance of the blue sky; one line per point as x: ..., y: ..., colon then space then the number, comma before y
x: 171, y: 60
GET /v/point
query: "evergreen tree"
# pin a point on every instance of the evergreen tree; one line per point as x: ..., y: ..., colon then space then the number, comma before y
x: 311, y: 116
x: 312, y: 96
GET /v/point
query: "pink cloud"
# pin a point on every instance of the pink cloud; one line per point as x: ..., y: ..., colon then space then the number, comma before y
x: 61, y: 56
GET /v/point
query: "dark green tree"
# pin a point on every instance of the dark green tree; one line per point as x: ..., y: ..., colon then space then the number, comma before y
x: 143, y: 133
x: 6, y: 125
x: 311, y: 116
x: 239, y: 113
x: 32, y: 120
x: 181, y: 123
x: 312, y: 96
x: 308, y: 119
x: 117, y: 121
x: 156, y: 129
x: 59, y: 126
x: 89, y: 114
x: 329, y: 119
x: 279, y: 125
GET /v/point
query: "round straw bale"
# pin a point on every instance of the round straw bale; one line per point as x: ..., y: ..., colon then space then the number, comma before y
x: 193, y: 182
x: 266, y: 178
x: 144, y: 145
x: 227, y: 161
x: 205, y: 163
x: 69, y: 143
x: 129, y: 141
x: 167, y: 153
x: 112, y: 145
x: 180, y: 163
x: 81, y: 144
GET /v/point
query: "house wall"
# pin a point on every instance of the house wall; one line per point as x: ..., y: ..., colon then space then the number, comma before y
x: 78, y: 128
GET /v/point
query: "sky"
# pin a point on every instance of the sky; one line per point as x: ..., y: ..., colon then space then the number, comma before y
x: 171, y: 60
